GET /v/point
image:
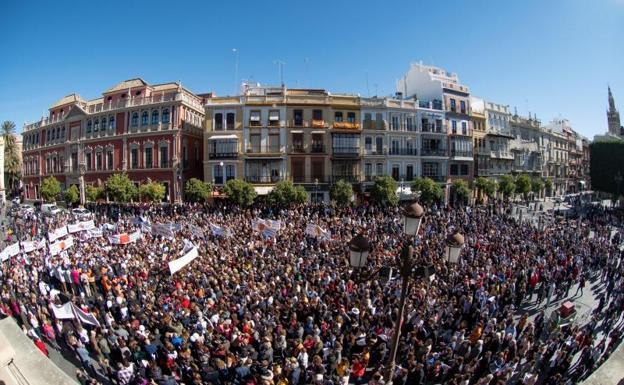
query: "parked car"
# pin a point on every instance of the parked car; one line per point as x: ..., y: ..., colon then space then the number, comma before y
x: 50, y: 209
x: 81, y: 214
x: 25, y: 209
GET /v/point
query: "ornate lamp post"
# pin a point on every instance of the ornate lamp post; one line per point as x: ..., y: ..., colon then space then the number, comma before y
x: 82, y: 169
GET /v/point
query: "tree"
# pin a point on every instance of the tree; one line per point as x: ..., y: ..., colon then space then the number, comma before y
x: 120, y: 188
x: 152, y: 192
x: 384, y: 191
x: 523, y: 185
x: 50, y: 189
x: 93, y: 193
x: 506, y: 186
x: 480, y: 183
x: 537, y: 185
x: 12, y: 165
x: 490, y: 188
x: 430, y: 191
x: 548, y: 185
x: 72, y: 195
x: 285, y: 193
x: 341, y: 192
x: 240, y: 192
x: 196, y: 190
x: 461, y: 191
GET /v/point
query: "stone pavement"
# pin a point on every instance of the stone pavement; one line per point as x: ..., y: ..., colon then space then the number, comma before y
x: 611, y: 372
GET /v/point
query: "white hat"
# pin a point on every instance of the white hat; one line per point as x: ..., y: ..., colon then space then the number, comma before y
x: 355, y: 311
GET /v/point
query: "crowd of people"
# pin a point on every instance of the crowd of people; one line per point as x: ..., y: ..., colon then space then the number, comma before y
x: 289, y: 309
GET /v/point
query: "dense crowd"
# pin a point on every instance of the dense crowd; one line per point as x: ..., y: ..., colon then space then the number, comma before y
x: 289, y: 309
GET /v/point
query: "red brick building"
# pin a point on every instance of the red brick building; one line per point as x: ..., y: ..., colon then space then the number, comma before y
x: 152, y: 132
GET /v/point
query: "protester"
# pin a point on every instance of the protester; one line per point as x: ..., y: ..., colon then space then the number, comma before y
x: 277, y: 303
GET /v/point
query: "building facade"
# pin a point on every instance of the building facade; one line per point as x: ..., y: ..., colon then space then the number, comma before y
x: 151, y: 132
x: 498, y: 139
x: 527, y: 145
x: 481, y: 153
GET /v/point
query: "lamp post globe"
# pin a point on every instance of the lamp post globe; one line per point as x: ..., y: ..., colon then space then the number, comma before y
x: 412, y: 218
x: 454, y: 243
x: 359, y: 248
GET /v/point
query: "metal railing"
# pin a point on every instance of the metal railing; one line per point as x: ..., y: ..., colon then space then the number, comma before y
x: 462, y: 153
x: 346, y: 150
x: 263, y: 178
x: 271, y: 149
x: 433, y: 152
x: 317, y: 148
x: 222, y: 155
x: 403, y: 151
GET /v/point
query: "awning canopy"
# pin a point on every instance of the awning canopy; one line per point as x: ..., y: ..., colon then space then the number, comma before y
x: 263, y: 190
x: 230, y: 136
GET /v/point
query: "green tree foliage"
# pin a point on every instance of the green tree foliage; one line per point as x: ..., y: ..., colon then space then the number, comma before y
x: 485, y: 187
x: 50, y: 189
x: 196, y: 190
x: 430, y: 191
x: 606, y: 160
x: 548, y: 185
x: 120, y: 188
x: 240, y: 192
x: 490, y: 188
x: 72, y: 195
x: 461, y: 191
x: 506, y: 186
x: 341, y: 192
x: 286, y: 193
x: 523, y: 185
x: 152, y: 192
x: 537, y: 185
x: 12, y: 164
x: 93, y: 193
x: 384, y: 191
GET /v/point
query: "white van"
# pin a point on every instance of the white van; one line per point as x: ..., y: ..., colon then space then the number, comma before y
x: 50, y: 209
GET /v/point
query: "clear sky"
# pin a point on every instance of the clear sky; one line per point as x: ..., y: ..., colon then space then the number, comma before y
x: 550, y: 57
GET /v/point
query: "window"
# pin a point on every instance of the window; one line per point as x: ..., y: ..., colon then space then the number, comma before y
x: 409, y: 123
x: 196, y: 154
x: 395, y: 172
x: 297, y: 142
x: 218, y: 122
x: 453, y: 105
x: 462, y: 106
x: 135, y: 119
x: 351, y: 117
x: 149, y: 158
x: 134, y: 157
x: 144, y: 117
x: 409, y: 172
x: 54, y: 164
x: 454, y: 169
x: 463, y: 169
x: 88, y: 162
x: 58, y: 132
x: 368, y: 143
x: 185, y: 156
x: 111, y: 123
x: 379, y: 171
x: 230, y: 172
x: 379, y: 122
x: 98, y: 161
x: 394, y: 123
x: 430, y: 169
x: 298, y: 118
x: 345, y: 143
x: 63, y: 132
x: 338, y: 116
x: 164, y: 159
x: 155, y: 117
x: 109, y: 159
x: 464, y: 128
x: 165, y: 115
x: 317, y: 114
x: 254, y: 118
x: 103, y: 124
x: 318, y: 170
x: 96, y: 125
x: 454, y: 126
x: 379, y: 145
x: 274, y: 117
x: 368, y: 170
x: 229, y: 120
x: 274, y: 143
x: 254, y: 142
x: 217, y: 172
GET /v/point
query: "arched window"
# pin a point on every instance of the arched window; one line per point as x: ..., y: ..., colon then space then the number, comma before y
x: 103, y: 123
x: 96, y: 125
x: 135, y: 119
x: 111, y: 122
x: 63, y: 132
x: 155, y: 117
x: 58, y: 132
x: 165, y: 115
x: 144, y: 117
x: 89, y: 126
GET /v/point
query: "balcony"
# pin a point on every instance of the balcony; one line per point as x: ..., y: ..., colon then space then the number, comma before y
x: 436, y: 177
x: 432, y: 128
x: 260, y: 150
x: 263, y: 179
x: 374, y: 125
x: 461, y: 154
x: 403, y: 151
x: 317, y: 148
x: 433, y: 152
x: 297, y: 148
x: 373, y: 151
x: 318, y: 123
x: 346, y: 151
x: 346, y: 126
x: 501, y: 155
x: 351, y: 178
x: 222, y: 155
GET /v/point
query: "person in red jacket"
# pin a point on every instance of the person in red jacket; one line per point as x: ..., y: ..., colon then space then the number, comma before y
x: 41, y: 347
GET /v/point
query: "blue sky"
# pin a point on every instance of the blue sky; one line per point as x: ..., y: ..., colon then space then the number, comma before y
x: 553, y: 58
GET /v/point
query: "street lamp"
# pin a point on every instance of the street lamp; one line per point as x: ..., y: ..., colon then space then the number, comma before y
x: 359, y: 249
x: 454, y: 244
x: 316, y: 190
x: 412, y: 218
x: 222, y: 172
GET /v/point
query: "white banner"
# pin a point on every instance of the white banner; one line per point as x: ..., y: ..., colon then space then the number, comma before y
x: 317, y: 231
x: 33, y: 245
x: 81, y: 226
x: 177, y: 264
x: 71, y: 311
x: 63, y: 312
x: 58, y: 233
x: 10, y: 251
x: 61, y: 245
x: 163, y: 229
x: 122, y: 239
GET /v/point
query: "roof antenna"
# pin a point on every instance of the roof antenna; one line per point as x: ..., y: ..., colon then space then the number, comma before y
x: 280, y: 68
x: 367, y: 88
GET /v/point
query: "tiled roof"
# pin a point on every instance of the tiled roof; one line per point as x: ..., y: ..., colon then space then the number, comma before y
x: 73, y: 98
x: 131, y: 83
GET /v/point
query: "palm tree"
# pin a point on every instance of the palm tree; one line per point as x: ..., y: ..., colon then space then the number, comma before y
x: 12, y: 166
